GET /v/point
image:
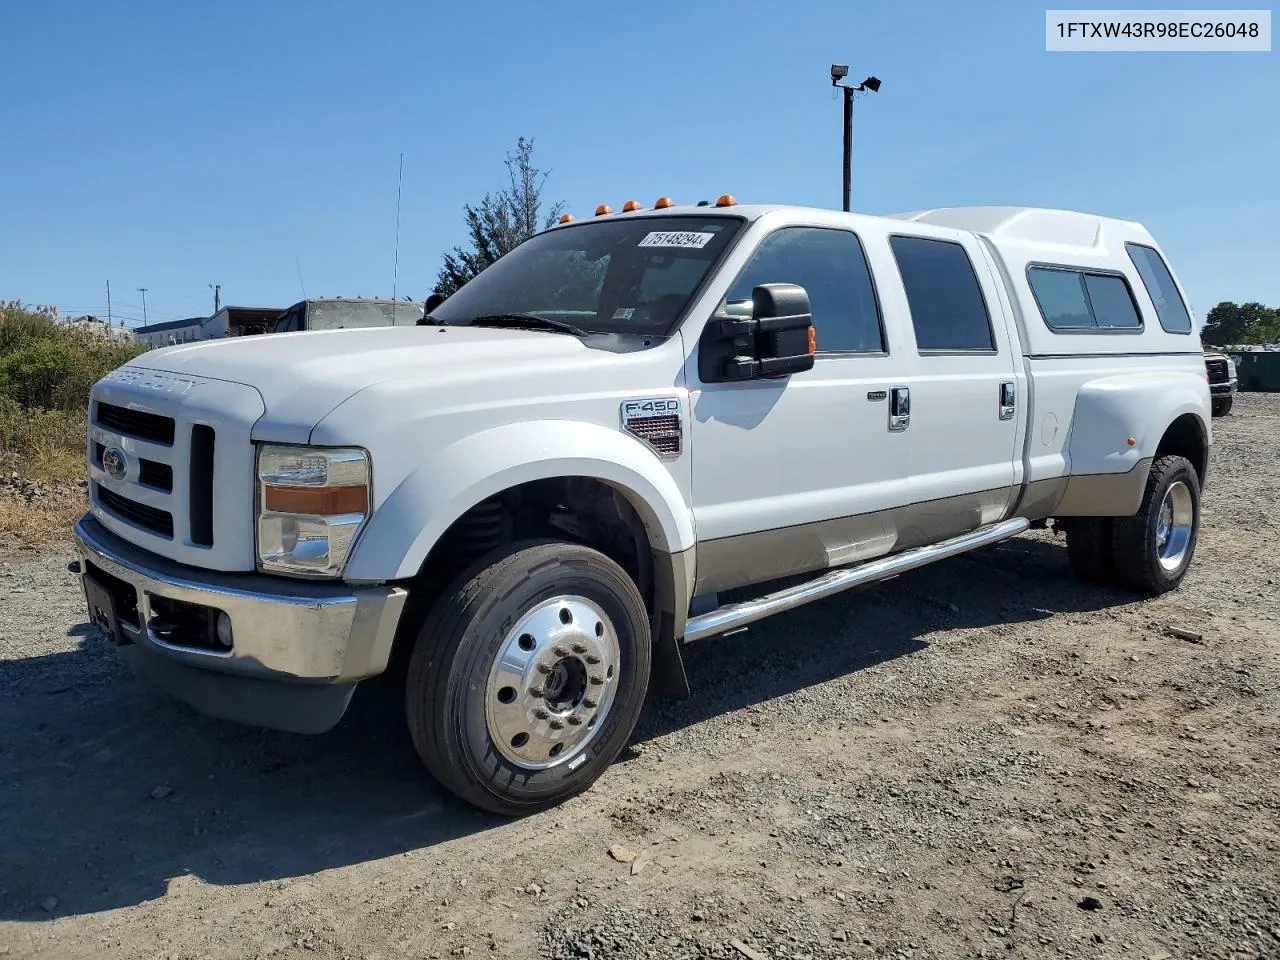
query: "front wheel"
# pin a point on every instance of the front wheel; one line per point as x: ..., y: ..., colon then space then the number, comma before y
x: 528, y: 676
x: 1154, y: 547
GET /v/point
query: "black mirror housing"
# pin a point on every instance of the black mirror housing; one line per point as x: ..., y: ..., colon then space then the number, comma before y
x: 775, y: 341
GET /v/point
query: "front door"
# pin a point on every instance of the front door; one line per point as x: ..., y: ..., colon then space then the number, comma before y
x: 801, y: 473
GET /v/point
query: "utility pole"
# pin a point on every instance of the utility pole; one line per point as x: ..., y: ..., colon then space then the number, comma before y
x: 143, y: 291
x: 217, y: 296
x: 838, y: 72
x: 109, y: 323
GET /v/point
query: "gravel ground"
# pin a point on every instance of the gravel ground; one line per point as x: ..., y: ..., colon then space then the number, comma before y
x: 984, y: 758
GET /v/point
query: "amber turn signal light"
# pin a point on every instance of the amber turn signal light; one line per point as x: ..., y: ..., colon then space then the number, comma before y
x: 319, y: 501
x: 813, y: 340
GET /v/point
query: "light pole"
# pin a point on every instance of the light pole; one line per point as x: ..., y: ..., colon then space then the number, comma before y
x: 838, y: 72
x: 143, y: 291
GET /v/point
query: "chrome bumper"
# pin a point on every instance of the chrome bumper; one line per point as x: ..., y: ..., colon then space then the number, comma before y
x: 1224, y: 388
x: 281, y: 629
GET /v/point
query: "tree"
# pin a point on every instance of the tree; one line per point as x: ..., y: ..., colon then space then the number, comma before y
x: 501, y: 221
x: 1230, y: 323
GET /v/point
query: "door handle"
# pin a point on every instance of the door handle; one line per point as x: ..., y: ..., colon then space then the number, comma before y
x: 899, y: 409
x: 1008, y: 399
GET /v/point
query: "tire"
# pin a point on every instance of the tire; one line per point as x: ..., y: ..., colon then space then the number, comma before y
x: 1153, y: 549
x: 1222, y: 407
x: 1089, y: 548
x: 538, y: 644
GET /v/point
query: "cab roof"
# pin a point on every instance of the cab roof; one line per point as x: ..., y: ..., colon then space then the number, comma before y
x: 1016, y: 225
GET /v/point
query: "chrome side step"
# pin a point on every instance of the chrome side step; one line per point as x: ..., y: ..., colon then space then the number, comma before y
x: 738, y: 615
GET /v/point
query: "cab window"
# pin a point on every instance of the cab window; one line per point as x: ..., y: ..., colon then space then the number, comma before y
x: 832, y: 268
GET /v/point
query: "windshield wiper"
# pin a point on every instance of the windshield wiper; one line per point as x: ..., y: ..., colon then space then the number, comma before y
x: 527, y: 321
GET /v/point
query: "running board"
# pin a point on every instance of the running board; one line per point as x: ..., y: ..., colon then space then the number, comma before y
x: 738, y: 615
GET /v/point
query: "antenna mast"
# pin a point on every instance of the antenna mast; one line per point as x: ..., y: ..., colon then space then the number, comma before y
x: 395, y: 276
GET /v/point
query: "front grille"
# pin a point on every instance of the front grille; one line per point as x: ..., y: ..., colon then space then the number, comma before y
x: 151, y: 473
x: 139, y: 514
x: 200, y: 488
x: 135, y: 423
x: 1217, y: 371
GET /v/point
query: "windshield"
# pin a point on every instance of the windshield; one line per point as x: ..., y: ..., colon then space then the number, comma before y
x: 612, y: 276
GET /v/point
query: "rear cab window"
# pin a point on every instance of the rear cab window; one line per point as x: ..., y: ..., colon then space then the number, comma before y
x: 1170, y: 308
x: 948, y: 310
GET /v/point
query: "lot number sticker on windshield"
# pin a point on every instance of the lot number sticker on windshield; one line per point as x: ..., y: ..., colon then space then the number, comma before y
x: 695, y: 241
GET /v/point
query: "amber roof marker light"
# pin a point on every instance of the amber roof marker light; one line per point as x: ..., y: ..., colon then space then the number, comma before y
x: 631, y: 205
x: 566, y: 218
x: 603, y: 209
x: 726, y: 200
x: 663, y: 202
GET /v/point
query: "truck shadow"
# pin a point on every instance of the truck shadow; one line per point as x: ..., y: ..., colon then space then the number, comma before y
x: 109, y: 791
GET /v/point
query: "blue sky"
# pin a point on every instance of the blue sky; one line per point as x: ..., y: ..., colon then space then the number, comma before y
x: 174, y: 145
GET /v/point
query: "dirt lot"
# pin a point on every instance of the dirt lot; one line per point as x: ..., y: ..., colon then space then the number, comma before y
x: 983, y: 758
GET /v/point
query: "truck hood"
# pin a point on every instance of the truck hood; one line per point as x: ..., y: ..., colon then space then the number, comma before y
x: 303, y: 376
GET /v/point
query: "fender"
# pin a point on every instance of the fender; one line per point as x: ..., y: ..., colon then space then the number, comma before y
x: 453, y: 479
x: 1107, y: 474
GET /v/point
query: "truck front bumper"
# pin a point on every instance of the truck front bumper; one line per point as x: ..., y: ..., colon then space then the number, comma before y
x: 1224, y: 389
x: 297, y: 648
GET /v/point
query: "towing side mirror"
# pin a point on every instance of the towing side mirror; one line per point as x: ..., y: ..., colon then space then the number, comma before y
x: 773, y: 338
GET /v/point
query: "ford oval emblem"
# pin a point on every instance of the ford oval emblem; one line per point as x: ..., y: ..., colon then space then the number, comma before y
x: 114, y: 463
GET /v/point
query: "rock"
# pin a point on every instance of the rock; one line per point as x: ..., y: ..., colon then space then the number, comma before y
x: 839, y: 935
x: 1188, y: 635
x: 622, y: 854
x: 1090, y: 903
x: 533, y: 890
x: 639, y: 863
x: 697, y: 915
x: 162, y: 791
x: 1009, y: 884
x: 751, y: 953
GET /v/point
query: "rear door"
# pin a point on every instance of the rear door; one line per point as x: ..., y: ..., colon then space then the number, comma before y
x: 962, y: 376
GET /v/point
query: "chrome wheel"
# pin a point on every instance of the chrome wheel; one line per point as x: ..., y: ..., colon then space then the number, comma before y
x: 1174, y: 525
x: 552, y: 683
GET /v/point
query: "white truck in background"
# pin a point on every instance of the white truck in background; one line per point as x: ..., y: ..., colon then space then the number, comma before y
x: 527, y: 504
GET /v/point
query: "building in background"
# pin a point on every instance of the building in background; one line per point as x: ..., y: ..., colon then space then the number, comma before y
x: 227, y: 322
x: 337, y: 313
x: 322, y: 313
x: 96, y: 326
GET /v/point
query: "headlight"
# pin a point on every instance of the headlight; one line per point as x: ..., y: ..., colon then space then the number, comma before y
x: 1231, y: 369
x: 312, y: 501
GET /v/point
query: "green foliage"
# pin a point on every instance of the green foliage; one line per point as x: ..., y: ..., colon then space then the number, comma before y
x: 1231, y: 323
x: 46, y: 371
x: 49, y: 366
x: 501, y: 222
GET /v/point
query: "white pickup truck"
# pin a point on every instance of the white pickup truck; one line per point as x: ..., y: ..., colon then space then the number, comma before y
x: 527, y: 504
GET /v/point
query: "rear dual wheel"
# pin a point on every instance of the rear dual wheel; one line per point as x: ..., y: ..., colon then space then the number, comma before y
x: 1151, y: 550
x: 528, y: 676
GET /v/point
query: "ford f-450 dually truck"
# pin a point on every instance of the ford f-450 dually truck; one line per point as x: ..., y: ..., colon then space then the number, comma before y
x: 528, y: 503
